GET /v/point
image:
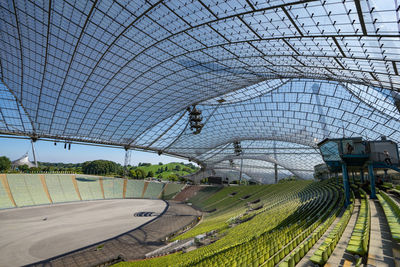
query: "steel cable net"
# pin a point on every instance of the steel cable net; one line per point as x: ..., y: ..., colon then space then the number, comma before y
x: 257, y: 170
x: 124, y: 72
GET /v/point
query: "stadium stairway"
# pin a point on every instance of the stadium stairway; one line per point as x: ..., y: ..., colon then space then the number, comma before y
x: 339, y: 255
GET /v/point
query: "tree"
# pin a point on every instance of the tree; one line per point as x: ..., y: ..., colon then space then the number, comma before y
x: 191, y: 165
x: 23, y: 168
x: 177, y: 167
x: 5, y: 164
x: 101, y: 167
x: 160, y: 163
x: 150, y: 174
x: 50, y: 169
x: 173, y: 177
x: 140, y: 174
x: 132, y: 173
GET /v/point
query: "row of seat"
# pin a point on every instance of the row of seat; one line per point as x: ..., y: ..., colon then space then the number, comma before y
x: 290, y: 234
x: 289, y: 217
x: 170, y: 190
x: 5, y: 200
x: 89, y: 188
x: 19, y: 190
x: 294, y: 244
x: 153, y: 190
x: 271, y: 249
x: 205, y: 255
x: 297, y: 247
x: 60, y: 187
x: 227, y: 207
x: 395, y: 191
x: 324, y: 251
x: 113, y: 188
x: 327, y: 219
x: 359, y: 240
x: 27, y: 192
x: 392, y: 212
x: 203, y: 194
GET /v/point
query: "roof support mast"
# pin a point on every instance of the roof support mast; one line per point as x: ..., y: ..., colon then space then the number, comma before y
x: 127, y: 160
x: 33, y: 140
x: 275, y: 164
x: 241, y: 169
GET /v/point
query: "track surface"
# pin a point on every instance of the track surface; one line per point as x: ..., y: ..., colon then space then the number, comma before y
x: 31, y: 234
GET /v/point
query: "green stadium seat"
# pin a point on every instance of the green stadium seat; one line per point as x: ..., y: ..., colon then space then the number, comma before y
x: 134, y: 188
x: 89, y: 187
x: 5, y: 201
x: 19, y: 190
x: 61, y: 188
x: 153, y: 190
x: 170, y: 190
x: 36, y: 190
x: 113, y: 188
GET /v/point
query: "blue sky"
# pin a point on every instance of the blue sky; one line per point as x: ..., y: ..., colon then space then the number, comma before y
x: 47, y: 152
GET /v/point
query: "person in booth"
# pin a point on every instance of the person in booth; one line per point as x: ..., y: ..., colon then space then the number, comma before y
x: 387, y: 157
x: 349, y: 148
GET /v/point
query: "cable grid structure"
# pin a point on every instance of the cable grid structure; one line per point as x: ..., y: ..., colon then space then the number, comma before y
x: 277, y: 76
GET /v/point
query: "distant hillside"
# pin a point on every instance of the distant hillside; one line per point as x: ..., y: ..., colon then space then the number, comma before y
x: 169, y: 171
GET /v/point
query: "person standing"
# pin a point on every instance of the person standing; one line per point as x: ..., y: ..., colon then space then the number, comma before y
x: 387, y: 157
x: 349, y: 148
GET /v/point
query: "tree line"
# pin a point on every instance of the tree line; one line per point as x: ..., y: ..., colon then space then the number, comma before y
x: 105, y: 167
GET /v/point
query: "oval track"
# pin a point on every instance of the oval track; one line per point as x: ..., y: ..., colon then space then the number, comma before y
x: 37, y: 233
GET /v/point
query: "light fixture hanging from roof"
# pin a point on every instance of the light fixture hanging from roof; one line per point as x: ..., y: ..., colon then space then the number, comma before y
x: 195, y: 119
x: 237, y: 148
